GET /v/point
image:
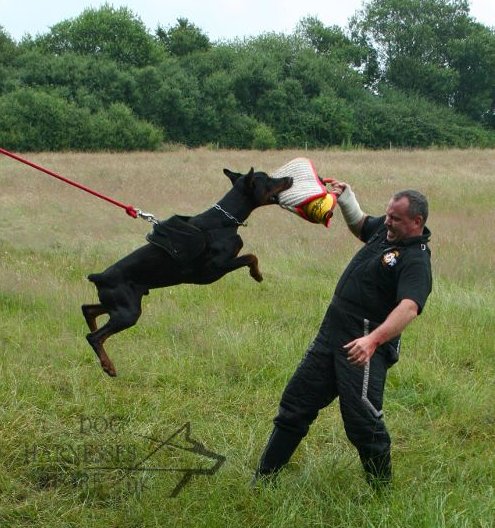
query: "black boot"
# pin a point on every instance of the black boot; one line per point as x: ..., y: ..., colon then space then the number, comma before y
x: 277, y: 453
x: 378, y: 470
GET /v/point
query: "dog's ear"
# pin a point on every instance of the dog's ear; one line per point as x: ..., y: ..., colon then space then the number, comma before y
x: 233, y: 176
x: 250, y: 179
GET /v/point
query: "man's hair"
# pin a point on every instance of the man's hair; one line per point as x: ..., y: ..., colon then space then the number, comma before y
x: 418, y: 204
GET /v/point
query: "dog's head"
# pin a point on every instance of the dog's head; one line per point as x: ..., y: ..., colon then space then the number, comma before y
x: 261, y: 188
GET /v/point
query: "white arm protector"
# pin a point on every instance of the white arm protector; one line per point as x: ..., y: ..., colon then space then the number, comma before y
x: 349, y: 206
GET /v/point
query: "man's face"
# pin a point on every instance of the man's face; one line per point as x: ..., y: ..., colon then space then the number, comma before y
x: 399, y: 224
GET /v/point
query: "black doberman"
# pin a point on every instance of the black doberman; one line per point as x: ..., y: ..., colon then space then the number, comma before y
x: 195, y: 250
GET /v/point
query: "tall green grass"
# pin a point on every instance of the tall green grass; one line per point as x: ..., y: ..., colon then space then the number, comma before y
x: 219, y: 356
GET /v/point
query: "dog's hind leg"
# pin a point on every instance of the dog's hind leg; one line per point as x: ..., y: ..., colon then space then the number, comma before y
x: 91, y: 312
x: 96, y: 343
x: 124, y: 309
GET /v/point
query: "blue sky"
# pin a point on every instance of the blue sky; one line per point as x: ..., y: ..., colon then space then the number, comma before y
x: 219, y: 19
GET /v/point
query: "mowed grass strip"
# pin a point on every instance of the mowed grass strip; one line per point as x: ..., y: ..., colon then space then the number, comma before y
x: 217, y: 357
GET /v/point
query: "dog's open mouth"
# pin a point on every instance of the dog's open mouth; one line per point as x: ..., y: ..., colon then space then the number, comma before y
x: 290, y: 181
x: 286, y: 184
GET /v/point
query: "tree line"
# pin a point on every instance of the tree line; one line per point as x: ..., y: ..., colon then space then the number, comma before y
x: 404, y: 73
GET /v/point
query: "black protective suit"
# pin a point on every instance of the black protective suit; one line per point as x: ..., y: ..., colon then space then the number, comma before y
x: 379, y: 276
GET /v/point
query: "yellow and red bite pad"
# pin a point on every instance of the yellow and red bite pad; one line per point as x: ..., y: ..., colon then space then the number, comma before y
x: 308, y: 197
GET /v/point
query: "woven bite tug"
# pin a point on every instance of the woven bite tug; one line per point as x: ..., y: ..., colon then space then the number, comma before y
x: 308, y: 197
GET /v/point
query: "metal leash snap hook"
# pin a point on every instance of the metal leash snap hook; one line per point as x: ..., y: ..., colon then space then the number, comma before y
x: 149, y: 217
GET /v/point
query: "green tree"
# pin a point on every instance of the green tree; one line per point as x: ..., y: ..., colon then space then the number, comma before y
x: 335, y: 43
x: 412, y: 28
x: 34, y: 120
x: 118, y: 129
x: 474, y: 59
x: 401, y: 120
x: 8, y: 53
x: 432, y: 48
x: 87, y: 80
x: 8, y: 48
x: 264, y: 138
x: 183, y: 38
x: 254, y: 74
x: 117, y: 34
x: 318, y: 73
x: 167, y: 96
x: 282, y: 109
x: 101, y: 81
x: 331, y: 40
x: 333, y: 121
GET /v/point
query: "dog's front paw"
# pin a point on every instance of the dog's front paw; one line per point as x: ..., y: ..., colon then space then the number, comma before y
x: 109, y: 368
x: 256, y: 274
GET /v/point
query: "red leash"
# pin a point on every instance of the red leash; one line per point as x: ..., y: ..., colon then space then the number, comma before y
x: 129, y: 209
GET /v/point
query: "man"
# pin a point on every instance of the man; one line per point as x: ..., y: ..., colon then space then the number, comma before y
x: 384, y: 287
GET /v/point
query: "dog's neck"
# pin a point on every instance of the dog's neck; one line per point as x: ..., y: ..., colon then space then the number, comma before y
x: 231, y: 211
x: 218, y: 207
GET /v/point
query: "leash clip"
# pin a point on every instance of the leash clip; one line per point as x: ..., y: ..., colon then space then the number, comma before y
x: 149, y: 217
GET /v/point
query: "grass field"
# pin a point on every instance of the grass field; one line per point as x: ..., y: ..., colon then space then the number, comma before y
x: 217, y: 357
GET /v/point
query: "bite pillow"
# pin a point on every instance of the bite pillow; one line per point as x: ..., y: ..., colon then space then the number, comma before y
x: 308, y: 197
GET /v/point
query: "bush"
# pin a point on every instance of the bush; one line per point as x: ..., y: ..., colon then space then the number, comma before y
x: 118, y: 129
x: 409, y: 121
x: 117, y: 34
x: 33, y: 120
x: 239, y: 132
x: 331, y: 121
x: 264, y: 138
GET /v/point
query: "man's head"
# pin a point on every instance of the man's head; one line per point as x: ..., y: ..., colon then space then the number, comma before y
x: 406, y: 215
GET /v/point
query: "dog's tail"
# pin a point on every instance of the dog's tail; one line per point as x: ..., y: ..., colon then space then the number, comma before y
x: 110, y: 278
x: 96, y: 278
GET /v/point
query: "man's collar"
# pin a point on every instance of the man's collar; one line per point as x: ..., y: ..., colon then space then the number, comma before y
x: 423, y: 238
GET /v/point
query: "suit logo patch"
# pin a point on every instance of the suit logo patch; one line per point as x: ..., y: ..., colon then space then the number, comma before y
x: 390, y: 258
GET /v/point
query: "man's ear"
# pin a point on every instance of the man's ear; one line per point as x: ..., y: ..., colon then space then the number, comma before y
x: 418, y: 221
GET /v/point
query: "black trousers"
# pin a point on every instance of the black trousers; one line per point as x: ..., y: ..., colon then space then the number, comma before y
x: 325, y: 374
